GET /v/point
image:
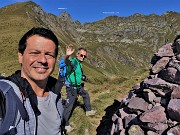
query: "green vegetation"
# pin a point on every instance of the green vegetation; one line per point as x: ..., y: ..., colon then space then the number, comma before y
x: 102, y: 96
x: 119, y: 51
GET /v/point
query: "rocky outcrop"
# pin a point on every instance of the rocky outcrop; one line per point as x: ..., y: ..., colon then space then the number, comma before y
x: 153, y: 106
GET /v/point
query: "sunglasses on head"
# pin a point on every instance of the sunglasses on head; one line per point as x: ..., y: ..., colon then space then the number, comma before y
x: 81, y: 55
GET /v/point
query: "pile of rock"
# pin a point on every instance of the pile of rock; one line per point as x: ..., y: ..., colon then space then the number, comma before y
x: 153, y: 106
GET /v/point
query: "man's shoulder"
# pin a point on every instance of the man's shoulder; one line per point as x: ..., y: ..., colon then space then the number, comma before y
x: 75, y: 61
x: 72, y: 59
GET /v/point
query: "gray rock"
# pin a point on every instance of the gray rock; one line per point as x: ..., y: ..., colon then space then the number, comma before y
x: 123, y: 132
x: 159, y: 85
x: 135, y: 130
x: 123, y: 112
x: 171, y: 75
x: 171, y: 123
x: 155, y: 115
x: 130, y: 119
x: 136, y: 103
x: 136, y: 86
x: 160, y: 64
x: 152, y: 133
x: 158, y: 127
x: 149, y: 95
x: 165, y: 51
x: 157, y: 100
x: 176, y: 92
x: 174, y: 131
x: 174, y: 109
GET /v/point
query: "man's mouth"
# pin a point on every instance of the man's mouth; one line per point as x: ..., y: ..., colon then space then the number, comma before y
x: 41, y: 69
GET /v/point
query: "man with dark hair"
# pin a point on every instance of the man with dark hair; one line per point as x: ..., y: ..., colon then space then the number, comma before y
x: 74, y: 76
x: 37, y: 54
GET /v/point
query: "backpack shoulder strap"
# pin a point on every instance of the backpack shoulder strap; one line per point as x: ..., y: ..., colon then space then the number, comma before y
x: 13, y: 104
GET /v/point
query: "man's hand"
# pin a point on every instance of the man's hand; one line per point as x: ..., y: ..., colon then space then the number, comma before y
x: 69, y: 50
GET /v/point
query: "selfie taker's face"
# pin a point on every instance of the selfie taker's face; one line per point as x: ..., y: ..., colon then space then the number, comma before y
x: 38, y: 60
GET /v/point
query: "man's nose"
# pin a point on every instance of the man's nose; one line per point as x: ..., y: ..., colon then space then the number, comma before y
x: 42, y: 58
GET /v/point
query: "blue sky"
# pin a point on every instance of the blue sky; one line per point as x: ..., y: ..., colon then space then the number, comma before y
x: 93, y: 10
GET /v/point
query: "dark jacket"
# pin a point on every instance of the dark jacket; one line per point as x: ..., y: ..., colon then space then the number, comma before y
x: 30, y: 103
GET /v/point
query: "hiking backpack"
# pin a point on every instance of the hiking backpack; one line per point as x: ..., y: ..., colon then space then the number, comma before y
x: 63, y: 70
x: 11, y: 107
x: 62, y: 66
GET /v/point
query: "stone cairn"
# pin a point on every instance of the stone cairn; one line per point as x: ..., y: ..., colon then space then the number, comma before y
x: 152, y: 107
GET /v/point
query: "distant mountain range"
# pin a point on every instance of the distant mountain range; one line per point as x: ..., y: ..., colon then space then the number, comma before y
x: 117, y: 46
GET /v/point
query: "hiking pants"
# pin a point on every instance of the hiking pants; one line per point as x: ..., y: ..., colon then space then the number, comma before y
x: 72, y: 95
x: 59, y: 84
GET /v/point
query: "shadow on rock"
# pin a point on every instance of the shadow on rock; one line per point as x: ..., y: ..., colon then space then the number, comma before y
x: 105, y: 125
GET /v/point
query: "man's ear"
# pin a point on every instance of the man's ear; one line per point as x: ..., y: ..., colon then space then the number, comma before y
x: 20, y: 56
x: 77, y: 54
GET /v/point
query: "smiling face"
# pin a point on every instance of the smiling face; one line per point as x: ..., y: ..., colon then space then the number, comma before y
x: 81, y: 55
x: 38, y: 59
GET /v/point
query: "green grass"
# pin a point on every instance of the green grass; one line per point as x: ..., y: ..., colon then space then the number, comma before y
x: 113, y: 77
x: 102, y: 95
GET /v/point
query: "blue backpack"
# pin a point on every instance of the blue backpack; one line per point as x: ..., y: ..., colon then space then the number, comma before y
x: 62, y: 66
x: 11, y: 103
x: 63, y: 71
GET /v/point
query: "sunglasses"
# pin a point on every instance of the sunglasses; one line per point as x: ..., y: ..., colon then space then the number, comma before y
x: 81, y: 55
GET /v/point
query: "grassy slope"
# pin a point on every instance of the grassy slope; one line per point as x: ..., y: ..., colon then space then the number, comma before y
x: 102, y: 96
x: 14, y: 22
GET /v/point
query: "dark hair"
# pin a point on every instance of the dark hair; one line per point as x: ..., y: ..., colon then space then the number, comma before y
x: 82, y: 48
x: 43, y: 32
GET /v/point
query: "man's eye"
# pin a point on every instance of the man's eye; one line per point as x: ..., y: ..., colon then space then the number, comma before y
x: 34, y: 52
x: 50, y: 55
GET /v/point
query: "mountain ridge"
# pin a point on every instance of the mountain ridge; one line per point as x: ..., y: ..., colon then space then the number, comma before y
x: 117, y: 46
x: 119, y: 51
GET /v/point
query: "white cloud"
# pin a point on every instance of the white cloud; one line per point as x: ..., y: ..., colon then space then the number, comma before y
x: 62, y: 8
x: 110, y: 12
